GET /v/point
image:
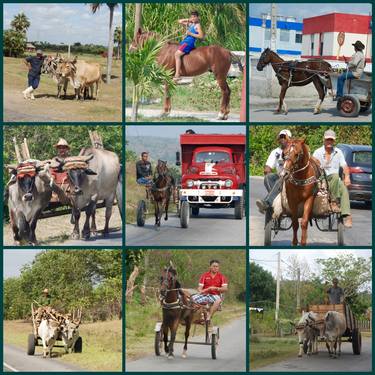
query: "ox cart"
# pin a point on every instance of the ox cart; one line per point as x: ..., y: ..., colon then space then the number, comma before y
x: 352, y: 333
x: 357, y: 95
x: 211, y: 333
x: 34, y: 340
x: 332, y: 221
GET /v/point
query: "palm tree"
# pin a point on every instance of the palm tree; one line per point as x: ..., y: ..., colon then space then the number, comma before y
x: 20, y: 23
x: 94, y: 8
x: 118, y: 39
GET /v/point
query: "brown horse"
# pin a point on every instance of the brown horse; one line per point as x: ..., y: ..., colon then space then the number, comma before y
x: 174, y: 310
x: 297, y: 73
x: 300, y: 174
x: 162, y: 189
x: 203, y: 59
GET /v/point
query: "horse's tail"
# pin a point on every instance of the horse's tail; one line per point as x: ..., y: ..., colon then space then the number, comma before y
x: 237, y: 61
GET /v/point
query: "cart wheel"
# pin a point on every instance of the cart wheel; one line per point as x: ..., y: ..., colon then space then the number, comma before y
x: 356, y: 341
x: 78, y: 345
x: 340, y: 233
x: 158, y: 342
x: 185, y: 214
x: 214, y: 343
x: 268, y: 228
x: 178, y: 209
x: 348, y: 106
x: 195, y: 210
x: 141, y: 213
x: 239, y: 209
x: 31, y: 344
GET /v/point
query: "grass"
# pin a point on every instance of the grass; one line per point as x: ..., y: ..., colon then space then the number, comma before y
x: 102, y: 344
x: 140, y: 324
x: 165, y: 119
x: 48, y: 107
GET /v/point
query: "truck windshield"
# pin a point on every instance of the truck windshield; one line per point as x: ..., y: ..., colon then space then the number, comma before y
x: 212, y: 157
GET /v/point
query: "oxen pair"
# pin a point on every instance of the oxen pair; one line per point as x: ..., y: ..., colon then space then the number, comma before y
x: 79, y: 73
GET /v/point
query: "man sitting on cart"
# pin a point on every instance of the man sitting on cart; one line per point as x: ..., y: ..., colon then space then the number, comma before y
x: 331, y: 160
x: 44, y: 303
x: 335, y: 293
x: 355, y: 68
x: 144, y: 170
x: 211, y: 285
x: 272, y: 181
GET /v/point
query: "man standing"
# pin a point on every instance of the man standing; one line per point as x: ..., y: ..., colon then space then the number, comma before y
x: 272, y: 180
x: 34, y: 64
x: 144, y: 170
x: 331, y: 159
x: 335, y: 293
x: 356, y: 65
x: 211, y: 285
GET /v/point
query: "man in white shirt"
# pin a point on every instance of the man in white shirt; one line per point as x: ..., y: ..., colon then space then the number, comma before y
x: 331, y: 159
x: 272, y: 180
x: 356, y: 65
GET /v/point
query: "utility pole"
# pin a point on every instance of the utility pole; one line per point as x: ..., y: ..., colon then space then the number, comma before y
x: 273, y: 39
x: 278, y: 288
x: 298, y: 306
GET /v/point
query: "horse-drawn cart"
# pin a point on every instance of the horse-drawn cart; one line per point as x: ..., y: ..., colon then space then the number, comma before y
x: 352, y: 333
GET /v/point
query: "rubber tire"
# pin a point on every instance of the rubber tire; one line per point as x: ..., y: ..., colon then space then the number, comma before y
x: 340, y: 233
x: 268, y: 228
x: 239, y: 209
x: 195, y: 210
x: 356, y: 341
x: 213, y: 345
x: 78, y: 345
x: 141, y: 213
x: 356, y: 106
x: 185, y: 214
x: 31, y: 344
x: 157, y: 342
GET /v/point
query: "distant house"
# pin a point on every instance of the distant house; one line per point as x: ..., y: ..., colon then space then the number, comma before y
x: 30, y: 47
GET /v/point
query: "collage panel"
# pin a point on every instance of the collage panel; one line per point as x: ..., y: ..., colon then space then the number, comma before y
x: 62, y: 185
x: 319, y: 174
x: 177, y: 295
x: 56, y: 320
x: 60, y: 64
x: 310, y: 63
x: 308, y: 307
x: 201, y: 171
x: 185, y: 62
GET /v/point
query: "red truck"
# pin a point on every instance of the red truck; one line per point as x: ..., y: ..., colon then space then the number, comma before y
x: 213, y: 173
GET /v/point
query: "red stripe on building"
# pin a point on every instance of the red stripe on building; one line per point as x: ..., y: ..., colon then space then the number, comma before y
x: 337, y: 22
x: 341, y: 58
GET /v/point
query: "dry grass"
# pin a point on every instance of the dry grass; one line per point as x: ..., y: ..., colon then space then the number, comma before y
x: 102, y: 344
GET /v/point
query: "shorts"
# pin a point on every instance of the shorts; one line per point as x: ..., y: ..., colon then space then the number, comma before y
x: 204, y: 299
x: 144, y: 181
x: 185, y: 48
x: 33, y: 81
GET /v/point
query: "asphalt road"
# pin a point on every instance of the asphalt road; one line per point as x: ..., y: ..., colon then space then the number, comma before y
x: 231, y: 354
x: 322, y: 362
x: 359, y: 235
x: 114, y: 239
x: 212, y: 227
x: 16, y: 360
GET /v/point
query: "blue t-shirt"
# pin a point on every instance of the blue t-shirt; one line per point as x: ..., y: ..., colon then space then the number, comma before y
x: 190, y: 40
x: 36, y: 63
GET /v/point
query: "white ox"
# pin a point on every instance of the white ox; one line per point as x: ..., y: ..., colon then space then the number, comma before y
x: 48, y: 331
x: 334, y: 328
x: 308, y: 333
x: 70, y: 335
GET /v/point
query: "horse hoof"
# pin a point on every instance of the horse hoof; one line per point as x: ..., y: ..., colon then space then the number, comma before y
x: 94, y: 234
x: 299, y: 355
x: 316, y: 112
x: 105, y: 234
x: 75, y: 236
x: 276, y: 112
x: 170, y: 356
x: 220, y: 116
x: 184, y: 355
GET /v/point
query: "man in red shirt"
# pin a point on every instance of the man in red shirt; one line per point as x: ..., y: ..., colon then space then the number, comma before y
x: 211, y: 285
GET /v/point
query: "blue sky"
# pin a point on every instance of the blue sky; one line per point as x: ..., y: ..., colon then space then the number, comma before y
x: 14, y: 260
x: 304, y: 10
x: 64, y: 23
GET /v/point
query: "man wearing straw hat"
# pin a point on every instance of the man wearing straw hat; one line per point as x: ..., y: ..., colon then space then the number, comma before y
x: 63, y: 148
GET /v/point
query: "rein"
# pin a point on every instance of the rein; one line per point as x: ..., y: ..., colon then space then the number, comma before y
x: 301, y: 182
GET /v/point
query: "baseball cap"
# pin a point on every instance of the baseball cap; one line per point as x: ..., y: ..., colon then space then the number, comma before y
x: 285, y: 132
x: 329, y: 134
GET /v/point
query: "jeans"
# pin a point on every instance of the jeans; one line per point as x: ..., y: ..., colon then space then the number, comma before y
x: 273, y: 184
x: 144, y: 181
x: 33, y: 81
x: 341, y: 81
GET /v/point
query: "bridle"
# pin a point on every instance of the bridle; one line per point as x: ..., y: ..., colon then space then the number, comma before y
x: 167, y: 282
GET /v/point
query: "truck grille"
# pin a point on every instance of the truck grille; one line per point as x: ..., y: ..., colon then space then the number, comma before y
x: 209, y: 185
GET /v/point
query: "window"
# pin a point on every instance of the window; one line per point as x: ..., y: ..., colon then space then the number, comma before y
x: 298, y: 38
x: 362, y: 157
x: 284, y: 35
x: 212, y: 157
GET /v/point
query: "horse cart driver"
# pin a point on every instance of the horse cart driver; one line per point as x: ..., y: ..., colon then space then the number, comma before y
x: 44, y: 303
x: 335, y: 293
x: 272, y: 181
x: 211, y: 286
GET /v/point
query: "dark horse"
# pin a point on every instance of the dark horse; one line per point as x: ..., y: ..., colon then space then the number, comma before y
x: 162, y: 188
x: 297, y: 73
x: 212, y: 58
x: 300, y: 173
x: 175, y: 309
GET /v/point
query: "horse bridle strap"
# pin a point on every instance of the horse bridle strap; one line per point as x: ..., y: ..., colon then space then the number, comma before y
x: 302, y: 182
x: 154, y: 188
x: 171, y: 305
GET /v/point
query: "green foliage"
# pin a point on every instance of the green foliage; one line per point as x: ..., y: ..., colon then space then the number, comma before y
x: 262, y: 286
x: 14, y: 43
x: 20, y: 23
x: 75, y: 49
x: 263, y: 139
x: 87, y: 279
x: 223, y: 24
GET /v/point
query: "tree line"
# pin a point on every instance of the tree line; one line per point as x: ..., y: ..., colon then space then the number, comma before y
x: 86, y: 279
